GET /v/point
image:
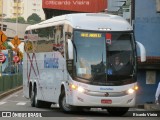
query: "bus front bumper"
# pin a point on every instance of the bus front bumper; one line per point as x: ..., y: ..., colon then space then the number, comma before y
x: 83, y: 99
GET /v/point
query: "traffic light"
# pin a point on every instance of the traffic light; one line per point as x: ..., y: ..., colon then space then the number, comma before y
x: 4, y: 27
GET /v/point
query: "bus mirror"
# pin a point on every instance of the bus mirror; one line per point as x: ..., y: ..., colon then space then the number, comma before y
x: 70, y: 49
x: 142, y: 51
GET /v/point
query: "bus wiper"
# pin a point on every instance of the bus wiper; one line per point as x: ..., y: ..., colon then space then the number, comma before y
x: 75, y: 49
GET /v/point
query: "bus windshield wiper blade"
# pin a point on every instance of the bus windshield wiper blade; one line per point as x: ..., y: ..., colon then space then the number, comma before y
x: 75, y: 49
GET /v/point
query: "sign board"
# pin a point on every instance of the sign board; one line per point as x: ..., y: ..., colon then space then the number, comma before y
x: 15, y: 41
x: 2, y: 47
x: 16, y: 59
x: 2, y: 57
x: 20, y: 55
x: 109, y: 38
x: 76, y: 5
x: 3, y: 37
x: 15, y: 49
x: 32, y: 37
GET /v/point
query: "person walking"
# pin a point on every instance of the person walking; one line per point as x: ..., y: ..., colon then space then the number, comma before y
x: 157, y: 95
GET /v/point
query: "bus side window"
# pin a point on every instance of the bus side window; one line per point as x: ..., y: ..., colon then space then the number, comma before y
x: 67, y: 36
x: 43, y: 43
x: 58, y: 44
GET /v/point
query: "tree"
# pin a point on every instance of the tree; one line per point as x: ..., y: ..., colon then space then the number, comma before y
x: 13, y: 20
x: 21, y: 20
x: 34, y: 18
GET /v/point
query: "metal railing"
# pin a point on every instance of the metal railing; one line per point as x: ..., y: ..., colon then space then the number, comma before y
x: 8, y: 82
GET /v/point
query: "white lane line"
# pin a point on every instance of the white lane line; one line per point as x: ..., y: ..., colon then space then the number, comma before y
x: 21, y: 103
x: 1, y: 103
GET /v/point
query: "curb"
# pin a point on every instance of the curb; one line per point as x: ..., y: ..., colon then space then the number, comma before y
x: 10, y: 92
x: 152, y: 107
x: 140, y: 106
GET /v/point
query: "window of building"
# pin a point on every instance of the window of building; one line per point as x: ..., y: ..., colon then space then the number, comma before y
x: 158, y: 5
x: 15, y: 1
x: 150, y: 77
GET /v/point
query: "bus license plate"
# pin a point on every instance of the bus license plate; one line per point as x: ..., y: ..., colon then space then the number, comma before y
x: 106, y: 101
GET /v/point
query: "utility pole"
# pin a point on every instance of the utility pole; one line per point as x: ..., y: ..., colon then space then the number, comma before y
x: 2, y: 16
x: 17, y: 17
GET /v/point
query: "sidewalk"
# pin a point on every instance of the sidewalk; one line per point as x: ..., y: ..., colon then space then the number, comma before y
x: 2, y: 95
x: 152, y: 107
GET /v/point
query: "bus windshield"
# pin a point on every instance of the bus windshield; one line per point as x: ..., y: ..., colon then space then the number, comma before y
x: 104, y: 58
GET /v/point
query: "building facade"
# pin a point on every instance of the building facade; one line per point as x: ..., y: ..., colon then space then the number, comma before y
x: 60, y: 7
x: 144, y: 16
x: 22, y: 8
x: 120, y: 7
x: 147, y: 31
x: 1, y: 10
x: 33, y: 6
x: 17, y: 8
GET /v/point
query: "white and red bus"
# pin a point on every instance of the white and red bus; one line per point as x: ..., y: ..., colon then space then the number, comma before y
x: 70, y: 60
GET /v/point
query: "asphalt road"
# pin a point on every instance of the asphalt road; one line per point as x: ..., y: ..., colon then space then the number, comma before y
x: 17, y: 106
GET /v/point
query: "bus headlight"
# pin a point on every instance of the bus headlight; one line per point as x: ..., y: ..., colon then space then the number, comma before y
x: 73, y: 87
x: 136, y: 87
x: 130, y: 91
x: 80, y: 89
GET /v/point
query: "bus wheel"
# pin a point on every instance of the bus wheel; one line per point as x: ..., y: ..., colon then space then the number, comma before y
x: 37, y: 102
x: 64, y: 107
x: 117, y: 111
x: 32, y: 99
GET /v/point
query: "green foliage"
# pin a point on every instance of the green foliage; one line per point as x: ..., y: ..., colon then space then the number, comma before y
x: 13, y: 20
x: 7, y: 45
x: 34, y: 18
x: 21, y: 20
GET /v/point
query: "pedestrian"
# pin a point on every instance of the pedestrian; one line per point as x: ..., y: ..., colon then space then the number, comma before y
x: 157, y: 95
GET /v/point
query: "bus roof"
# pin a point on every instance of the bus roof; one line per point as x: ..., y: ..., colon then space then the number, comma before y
x: 87, y: 21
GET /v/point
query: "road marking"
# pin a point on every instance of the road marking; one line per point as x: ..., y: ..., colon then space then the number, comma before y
x: 1, y: 103
x: 21, y: 103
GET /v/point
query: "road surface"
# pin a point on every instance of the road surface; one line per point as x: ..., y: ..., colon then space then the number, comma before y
x: 17, y: 106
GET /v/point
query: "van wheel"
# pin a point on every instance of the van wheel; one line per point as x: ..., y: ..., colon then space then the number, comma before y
x: 64, y: 107
x: 117, y: 111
